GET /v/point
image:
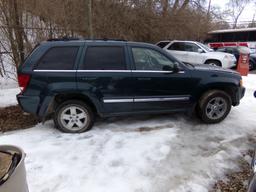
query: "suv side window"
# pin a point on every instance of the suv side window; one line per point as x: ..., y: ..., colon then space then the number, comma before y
x: 177, y: 46
x: 149, y: 59
x: 104, y: 58
x: 190, y: 47
x: 58, y: 58
x: 162, y: 44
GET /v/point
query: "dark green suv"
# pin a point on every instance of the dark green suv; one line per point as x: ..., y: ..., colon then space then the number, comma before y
x: 75, y: 80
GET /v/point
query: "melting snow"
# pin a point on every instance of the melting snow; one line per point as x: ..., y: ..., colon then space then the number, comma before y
x: 157, y: 153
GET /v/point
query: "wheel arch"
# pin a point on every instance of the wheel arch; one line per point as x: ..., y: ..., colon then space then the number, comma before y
x: 60, y: 98
x: 230, y: 90
x: 213, y: 60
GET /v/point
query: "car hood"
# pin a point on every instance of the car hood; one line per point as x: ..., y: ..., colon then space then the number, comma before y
x: 213, y: 68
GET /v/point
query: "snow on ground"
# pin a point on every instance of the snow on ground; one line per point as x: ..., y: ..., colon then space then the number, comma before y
x: 8, y: 97
x: 161, y: 153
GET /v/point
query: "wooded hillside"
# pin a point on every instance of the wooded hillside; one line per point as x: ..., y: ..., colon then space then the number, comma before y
x: 24, y: 23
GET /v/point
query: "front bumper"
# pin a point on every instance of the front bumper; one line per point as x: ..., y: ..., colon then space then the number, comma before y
x: 239, y: 95
x: 229, y: 63
x: 29, y: 104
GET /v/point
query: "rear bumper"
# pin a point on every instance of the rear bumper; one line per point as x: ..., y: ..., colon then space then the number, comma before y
x: 29, y: 104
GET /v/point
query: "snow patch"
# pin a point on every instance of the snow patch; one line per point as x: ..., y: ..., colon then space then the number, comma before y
x: 8, y: 97
x: 157, y: 153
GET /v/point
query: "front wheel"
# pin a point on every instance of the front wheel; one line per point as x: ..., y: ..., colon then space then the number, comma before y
x: 73, y: 117
x: 214, y: 63
x: 214, y: 106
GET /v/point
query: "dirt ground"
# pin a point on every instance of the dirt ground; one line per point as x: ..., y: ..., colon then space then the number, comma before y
x: 236, y: 181
x: 13, y: 118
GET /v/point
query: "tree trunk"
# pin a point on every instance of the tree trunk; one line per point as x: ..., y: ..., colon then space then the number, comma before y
x: 165, y: 5
x: 90, y: 18
x: 18, y: 30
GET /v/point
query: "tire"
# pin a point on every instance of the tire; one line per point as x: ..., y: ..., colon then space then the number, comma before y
x: 73, y: 116
x: 252, y: 65
x: 213, y: 62
x: 214, y: 106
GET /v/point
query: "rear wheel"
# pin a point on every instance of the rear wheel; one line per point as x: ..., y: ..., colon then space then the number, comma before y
x: 73, y: 116
x: 213, y: 62
x: 214, y: 106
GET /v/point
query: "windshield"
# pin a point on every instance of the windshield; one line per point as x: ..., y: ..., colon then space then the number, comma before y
x: 205, y: 47
x: 252, y: 51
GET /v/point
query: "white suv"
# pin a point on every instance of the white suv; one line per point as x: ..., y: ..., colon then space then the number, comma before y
x: 197, y: 53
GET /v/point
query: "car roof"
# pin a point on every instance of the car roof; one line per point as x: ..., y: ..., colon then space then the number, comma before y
x: 184, y: 41
x: 74, y: 41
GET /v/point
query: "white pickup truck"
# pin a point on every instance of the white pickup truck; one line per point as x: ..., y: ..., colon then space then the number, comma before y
x: 197, y: 53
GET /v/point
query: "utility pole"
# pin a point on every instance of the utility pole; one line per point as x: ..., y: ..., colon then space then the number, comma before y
x: 89, y: 16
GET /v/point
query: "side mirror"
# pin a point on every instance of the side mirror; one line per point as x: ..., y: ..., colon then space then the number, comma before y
x: 167, y: 68
x: 255, y: 94
x: 200, y: 50
x: 176, y: 68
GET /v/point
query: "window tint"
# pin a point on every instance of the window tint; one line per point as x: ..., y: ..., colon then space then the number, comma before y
x: 190, y: 47
x: 58, y: 58
x: 104, y: 58
x: 162, y: 44
x: 221, y: 49
x: 148, y: 59
x: 178, y: 46
x: 230, y: 50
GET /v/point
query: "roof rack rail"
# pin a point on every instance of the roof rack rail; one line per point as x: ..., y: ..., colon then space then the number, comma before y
x: 64, y: 39
x: 76, y: 38
x: 104, y: 39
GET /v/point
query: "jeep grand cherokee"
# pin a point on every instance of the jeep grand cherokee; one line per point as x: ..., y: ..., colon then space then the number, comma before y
x: 75, y: 80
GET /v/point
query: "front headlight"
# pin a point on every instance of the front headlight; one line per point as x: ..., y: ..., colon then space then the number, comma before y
x: 241, y: 83
x: 229, y: 57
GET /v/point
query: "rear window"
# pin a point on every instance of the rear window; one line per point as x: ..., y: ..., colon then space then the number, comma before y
x: 162, y: 44
x: 104, y: 58
x: 58, y: 58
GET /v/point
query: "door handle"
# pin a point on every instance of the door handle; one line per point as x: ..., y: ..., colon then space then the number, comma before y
x: 144, y: 78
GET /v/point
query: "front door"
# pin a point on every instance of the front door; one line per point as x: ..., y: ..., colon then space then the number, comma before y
x: 157, y: 87
x: 193, y: 54
x: 105, y: 77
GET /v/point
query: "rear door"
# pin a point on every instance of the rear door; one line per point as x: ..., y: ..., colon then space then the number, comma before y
x: 55, y: 71
x: 105, y: 76
x: 157, y: 87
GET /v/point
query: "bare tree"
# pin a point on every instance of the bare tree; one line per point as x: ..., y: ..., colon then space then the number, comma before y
x: 24, y: 23
x: 236, y: 8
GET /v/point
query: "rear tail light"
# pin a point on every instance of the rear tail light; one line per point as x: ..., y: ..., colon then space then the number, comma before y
x: 23, y: 80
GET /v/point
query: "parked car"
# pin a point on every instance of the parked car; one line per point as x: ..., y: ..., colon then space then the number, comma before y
x: 235, y: 50
x: 252, y: 180
x: 76, y: 80
x: 197, y: 53
x: 253, y: 59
